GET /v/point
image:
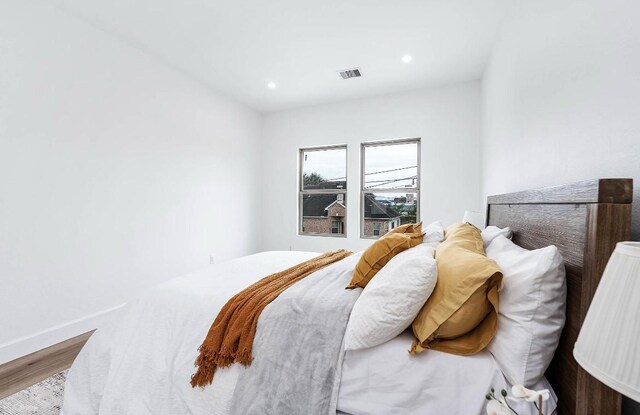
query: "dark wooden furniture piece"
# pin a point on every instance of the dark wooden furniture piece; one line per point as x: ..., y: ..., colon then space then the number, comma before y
x: 585, y: 221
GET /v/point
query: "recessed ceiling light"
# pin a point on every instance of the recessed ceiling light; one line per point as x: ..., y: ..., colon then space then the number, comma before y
x: 407, y: 58
x: 271, y: 85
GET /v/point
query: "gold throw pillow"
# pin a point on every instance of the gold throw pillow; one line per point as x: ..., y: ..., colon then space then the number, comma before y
x: 408, y: 228
x: 461, y: 315
x: 381, y: 251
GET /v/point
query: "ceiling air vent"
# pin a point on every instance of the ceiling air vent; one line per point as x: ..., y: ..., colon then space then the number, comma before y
x: 350, y: 73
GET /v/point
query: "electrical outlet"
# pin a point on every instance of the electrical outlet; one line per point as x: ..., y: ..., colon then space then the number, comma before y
x: 211, y: 259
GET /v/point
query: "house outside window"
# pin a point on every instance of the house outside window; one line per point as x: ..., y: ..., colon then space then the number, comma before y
x: 390, y: 185
x: 322, y: 191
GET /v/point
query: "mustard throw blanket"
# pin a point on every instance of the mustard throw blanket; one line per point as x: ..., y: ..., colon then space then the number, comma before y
x: 230, y: 338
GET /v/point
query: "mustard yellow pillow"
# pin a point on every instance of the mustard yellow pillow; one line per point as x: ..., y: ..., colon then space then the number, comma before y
x: 461, y: 315
x: 379, y: 253
x: 408, y: 228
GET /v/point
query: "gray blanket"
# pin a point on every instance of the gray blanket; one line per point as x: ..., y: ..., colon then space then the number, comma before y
x: 298, y: 348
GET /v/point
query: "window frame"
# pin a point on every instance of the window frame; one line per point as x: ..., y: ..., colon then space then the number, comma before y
x: 415, y: 190
x: 302, y: 191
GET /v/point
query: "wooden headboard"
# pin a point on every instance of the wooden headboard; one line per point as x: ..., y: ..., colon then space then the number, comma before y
x: 585, y: 221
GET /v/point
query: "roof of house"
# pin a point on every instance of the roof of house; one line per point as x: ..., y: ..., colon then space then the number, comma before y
x: 316, y: 204
x: 338, y: 202
x: 377, y: 210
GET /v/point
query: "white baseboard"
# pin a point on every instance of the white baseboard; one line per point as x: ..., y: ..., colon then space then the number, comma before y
x: 32, y: 343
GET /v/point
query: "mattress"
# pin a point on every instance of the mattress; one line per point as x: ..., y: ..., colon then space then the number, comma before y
x: 141, y: 362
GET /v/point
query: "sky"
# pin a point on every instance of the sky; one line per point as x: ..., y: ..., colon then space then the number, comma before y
x: 332, y: 164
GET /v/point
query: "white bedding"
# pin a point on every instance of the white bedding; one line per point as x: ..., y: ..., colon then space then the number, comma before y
x: 142, y: 362
x: 386, y: 379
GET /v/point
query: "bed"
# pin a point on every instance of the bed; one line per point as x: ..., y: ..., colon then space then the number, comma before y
x: 141, y: 363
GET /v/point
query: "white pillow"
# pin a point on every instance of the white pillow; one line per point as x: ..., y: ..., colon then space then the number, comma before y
x: 492, y: 232
x: 392, y: 299
x: 433, y: 234
x: 532, y: 309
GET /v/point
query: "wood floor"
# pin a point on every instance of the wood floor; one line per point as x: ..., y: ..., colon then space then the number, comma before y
x: 35, y: 367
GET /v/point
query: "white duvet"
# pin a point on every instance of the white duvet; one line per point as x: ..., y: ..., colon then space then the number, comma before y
x: 141, y: 363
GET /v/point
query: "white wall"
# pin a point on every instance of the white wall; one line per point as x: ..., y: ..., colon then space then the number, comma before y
x: 561, y: 96
x: 447, y: 119
x: 116, y: 173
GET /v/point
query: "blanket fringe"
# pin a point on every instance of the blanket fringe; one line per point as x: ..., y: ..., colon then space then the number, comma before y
x: 223, y: 360
x: 244, y: 357
x: 206, y: 370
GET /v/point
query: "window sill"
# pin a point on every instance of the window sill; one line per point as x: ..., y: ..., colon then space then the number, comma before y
x: 323, y: 235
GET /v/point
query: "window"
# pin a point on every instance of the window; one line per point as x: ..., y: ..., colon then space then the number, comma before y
x: 390, y: 191
x: 323, y: 191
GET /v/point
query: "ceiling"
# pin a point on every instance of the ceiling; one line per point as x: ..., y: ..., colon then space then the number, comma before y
x: 239, y: 46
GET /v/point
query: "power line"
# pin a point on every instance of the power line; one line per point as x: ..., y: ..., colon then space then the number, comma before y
x: 375, y: 172
x: 387, y: 171
x: 386, y: 180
